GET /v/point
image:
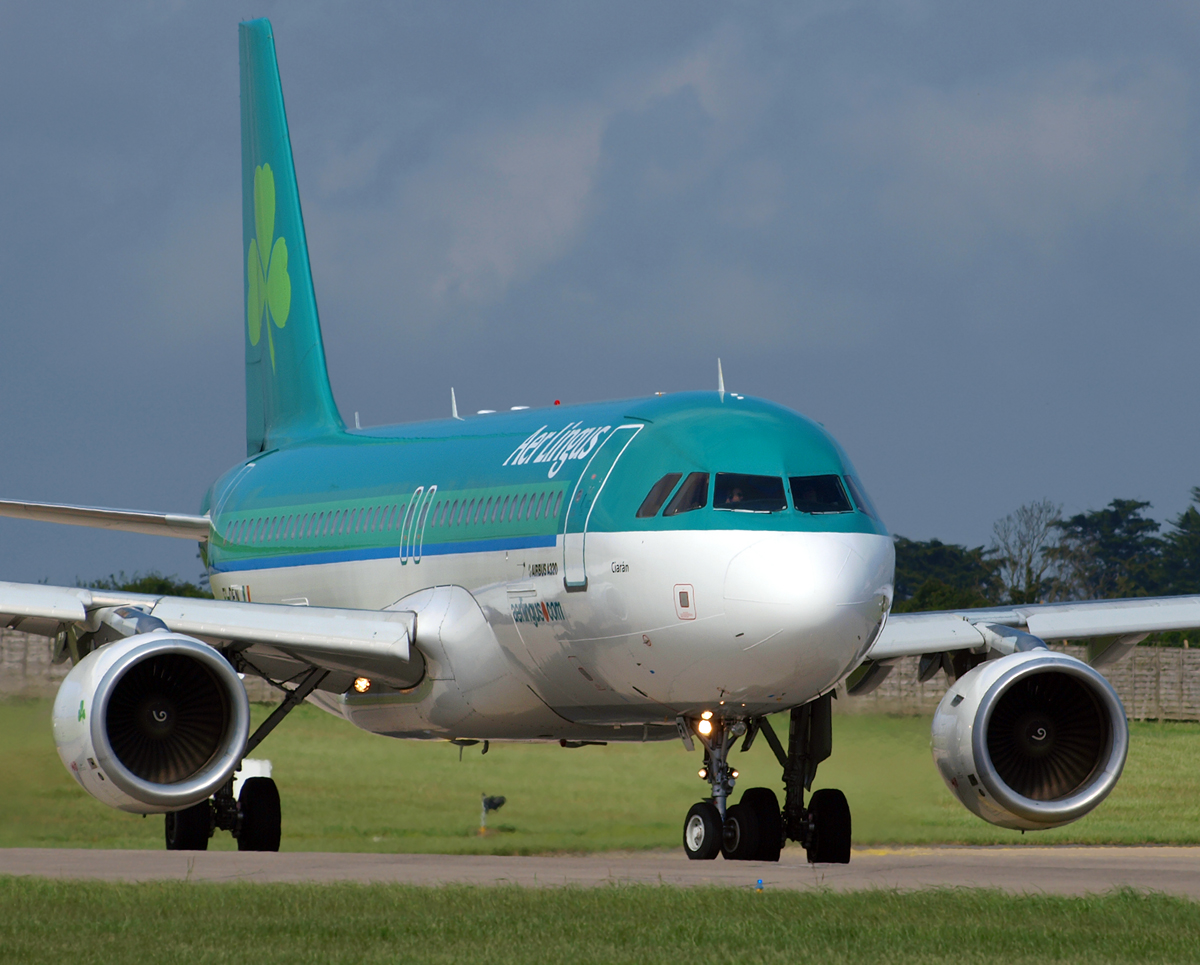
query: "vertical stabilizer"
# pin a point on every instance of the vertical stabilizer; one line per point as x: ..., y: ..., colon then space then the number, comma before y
x: 287, y: 386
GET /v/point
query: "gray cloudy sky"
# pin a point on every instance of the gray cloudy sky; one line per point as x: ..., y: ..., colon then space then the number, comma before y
x: 962, y: 237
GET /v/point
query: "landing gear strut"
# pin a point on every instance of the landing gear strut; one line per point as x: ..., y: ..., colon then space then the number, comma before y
x: 756, y: 827
x: 255, y: 817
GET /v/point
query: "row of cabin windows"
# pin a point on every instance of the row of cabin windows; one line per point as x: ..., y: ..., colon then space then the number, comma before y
x: 379, y: 519
x: 741, y: 492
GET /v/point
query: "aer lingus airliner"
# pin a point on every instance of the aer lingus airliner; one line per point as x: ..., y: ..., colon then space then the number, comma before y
x: 665, y: 568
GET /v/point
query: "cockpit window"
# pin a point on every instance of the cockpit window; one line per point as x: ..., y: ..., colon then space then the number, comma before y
x: 693, y: 494
x: 819, y: 494
x: 658, y: 495
x: 861, y: 500
x: 749, y: 494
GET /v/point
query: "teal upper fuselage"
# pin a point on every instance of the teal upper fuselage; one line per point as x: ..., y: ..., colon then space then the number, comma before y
x: 348, y: 495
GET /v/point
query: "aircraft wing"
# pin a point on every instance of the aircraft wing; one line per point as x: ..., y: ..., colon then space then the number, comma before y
x: 131, y: 521
x: 1129, y: 621
x: 273, y: 638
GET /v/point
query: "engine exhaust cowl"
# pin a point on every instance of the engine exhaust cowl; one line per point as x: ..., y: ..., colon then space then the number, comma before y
x: 151, y: 723
x: 1031, y: 741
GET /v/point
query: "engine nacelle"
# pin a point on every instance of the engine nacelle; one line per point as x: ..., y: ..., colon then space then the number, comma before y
x: 1031, y: 741
x: 151, y: 723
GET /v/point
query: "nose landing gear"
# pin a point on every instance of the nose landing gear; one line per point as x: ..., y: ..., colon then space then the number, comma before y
x: 755, y: 828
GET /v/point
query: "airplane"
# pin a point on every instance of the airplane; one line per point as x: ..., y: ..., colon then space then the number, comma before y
x: 673, y: 567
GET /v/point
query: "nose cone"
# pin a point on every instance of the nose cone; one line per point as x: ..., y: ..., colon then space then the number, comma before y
x: 803, y: 606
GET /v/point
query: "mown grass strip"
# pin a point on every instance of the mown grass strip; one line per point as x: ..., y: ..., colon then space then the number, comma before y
x: 347, y: 790
x: 179, y: 922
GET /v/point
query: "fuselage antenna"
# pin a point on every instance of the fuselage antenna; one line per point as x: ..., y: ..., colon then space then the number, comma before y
x: 356, y: 422
x: 454, y: 406
x: 720, y: 380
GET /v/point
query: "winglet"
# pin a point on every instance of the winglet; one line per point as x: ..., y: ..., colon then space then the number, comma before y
x: 720, y: 380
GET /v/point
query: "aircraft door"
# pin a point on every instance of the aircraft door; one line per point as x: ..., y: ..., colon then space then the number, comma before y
x: 579, y: 508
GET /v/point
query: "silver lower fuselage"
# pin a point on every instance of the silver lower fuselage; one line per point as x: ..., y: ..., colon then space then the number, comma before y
x: 670, y: 624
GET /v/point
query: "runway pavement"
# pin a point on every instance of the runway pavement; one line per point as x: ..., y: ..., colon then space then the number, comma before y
x: 1062, y: 870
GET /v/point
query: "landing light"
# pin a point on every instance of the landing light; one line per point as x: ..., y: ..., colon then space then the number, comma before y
x: 703, y: 772
x: 362, y: 684
x: 707, y: 715
x: 705, y: 727
x: 733, y: 774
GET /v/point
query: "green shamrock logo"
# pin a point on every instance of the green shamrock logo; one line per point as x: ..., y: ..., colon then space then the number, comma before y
x: 270, y: 286
x: 82, y: 712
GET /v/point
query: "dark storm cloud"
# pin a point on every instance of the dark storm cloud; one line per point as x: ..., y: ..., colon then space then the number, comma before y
x: 963, y: 239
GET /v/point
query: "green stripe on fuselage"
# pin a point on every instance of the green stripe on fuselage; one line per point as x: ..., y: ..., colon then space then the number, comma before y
x: 368, y: 475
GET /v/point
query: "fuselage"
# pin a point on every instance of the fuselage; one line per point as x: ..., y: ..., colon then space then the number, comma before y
x: 633, y: 561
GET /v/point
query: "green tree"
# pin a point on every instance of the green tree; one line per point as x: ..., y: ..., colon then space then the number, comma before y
x: 152, y: 583
x: 1180, y: 565
x: 932, y: 575
x: 1108, y: 553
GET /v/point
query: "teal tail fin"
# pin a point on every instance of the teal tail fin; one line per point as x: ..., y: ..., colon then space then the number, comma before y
x: 288, y: 398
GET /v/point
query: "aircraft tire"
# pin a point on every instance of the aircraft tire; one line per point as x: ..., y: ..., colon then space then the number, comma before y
x: 702, y: 831
x: 741, y: 835
x: 830, y: 816
x: 189, y: 829
x: 261, y: 822
x: 765, y: 805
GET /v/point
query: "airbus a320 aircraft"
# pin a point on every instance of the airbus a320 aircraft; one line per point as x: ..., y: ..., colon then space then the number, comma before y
x: 665, y: 568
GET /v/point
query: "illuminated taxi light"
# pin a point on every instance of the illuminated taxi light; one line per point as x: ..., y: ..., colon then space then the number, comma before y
x: 362, y: 684
x: 705, y: 727
x: 734, y: 774
x: 707, y: 715
x: 703, y: 772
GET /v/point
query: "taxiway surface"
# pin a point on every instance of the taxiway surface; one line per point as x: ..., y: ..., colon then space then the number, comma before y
x: 1060, y: 870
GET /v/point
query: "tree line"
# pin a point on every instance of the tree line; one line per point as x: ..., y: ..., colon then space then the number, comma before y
x: 1038, y: 556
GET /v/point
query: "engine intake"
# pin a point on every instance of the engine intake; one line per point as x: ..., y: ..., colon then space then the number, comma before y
x: 152, y: 723
x: 1031, y: 741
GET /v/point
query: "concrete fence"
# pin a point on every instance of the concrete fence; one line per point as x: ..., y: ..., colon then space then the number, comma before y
x: 1154, y: 682
x: 26, y: 670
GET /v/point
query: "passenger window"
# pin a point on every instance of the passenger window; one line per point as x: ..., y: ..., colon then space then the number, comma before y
x: 693, y: 494
x: 744, y: 493
x: 521, y: 510
x: 537, y: 513
x: 558, y: 505
x: 658, y: 495
x: 861, y: 500
x: 819, y: 494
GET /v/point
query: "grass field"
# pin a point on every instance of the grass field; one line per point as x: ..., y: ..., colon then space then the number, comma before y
x: 346, y: 790
x: 295, y: 923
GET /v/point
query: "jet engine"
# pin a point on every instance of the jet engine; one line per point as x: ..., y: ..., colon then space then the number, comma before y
x: 151, y: 723
x: 1031, y: 741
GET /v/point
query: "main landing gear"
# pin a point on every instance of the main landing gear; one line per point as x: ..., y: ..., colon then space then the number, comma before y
x: 755, y: 828
x: 255, y: 817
